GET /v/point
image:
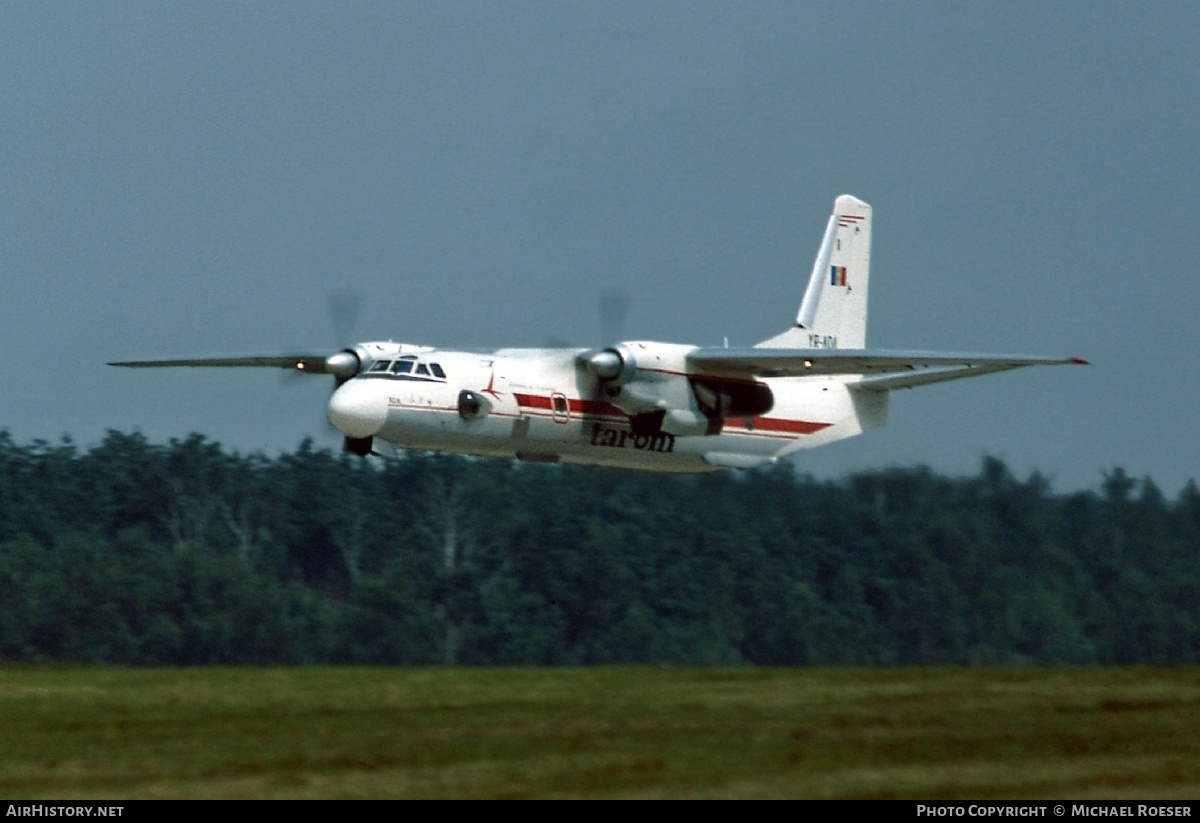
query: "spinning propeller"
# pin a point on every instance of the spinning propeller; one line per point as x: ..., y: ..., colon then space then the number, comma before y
x: 615, y: 366
x: 342, y: 365
x: 609, y: 365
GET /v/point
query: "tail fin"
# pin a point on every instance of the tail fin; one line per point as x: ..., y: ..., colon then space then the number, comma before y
x: 833, y: 314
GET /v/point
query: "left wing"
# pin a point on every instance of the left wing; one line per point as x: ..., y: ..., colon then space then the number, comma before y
x: 300, y: 362
x: 342, y: 365
x: 882, y: 368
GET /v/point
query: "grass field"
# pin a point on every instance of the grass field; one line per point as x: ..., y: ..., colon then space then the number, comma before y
x: 78, y: 733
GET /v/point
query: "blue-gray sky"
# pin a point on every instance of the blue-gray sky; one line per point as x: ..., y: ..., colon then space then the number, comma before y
x: 195, y: 178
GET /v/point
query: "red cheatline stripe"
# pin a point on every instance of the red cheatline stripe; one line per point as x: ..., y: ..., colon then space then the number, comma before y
x: 777, y: 424
x: 534, y: 401
x: 594, y: 407
x: 575, y: 404
x: 765, y: 424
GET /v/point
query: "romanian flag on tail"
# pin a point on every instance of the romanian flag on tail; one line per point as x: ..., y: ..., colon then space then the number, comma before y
x: 837, y: 275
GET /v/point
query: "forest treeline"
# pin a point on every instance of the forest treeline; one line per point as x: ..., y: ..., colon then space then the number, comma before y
x: 131, y: 552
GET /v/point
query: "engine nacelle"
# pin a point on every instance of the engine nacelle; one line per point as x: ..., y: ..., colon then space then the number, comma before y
x: 343, y: 365
x: 657, y: 393
x: 732, y: 398
x: 612, y: 367
x: 687, y: 422
x: 643, y: 396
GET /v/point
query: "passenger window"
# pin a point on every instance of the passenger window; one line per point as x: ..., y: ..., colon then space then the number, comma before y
x: 437, y: 370
x: 560, y: 403
x: 402, y: 367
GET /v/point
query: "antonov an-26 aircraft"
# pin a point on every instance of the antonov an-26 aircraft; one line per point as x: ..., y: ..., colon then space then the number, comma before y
x: 661, y: 407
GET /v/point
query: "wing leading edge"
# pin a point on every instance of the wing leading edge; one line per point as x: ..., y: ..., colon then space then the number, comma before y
x: 299, y: 361
x: 881, y: 369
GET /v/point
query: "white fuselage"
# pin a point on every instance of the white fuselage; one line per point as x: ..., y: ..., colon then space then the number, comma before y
x: 541, y: 405
x: 660, y: 407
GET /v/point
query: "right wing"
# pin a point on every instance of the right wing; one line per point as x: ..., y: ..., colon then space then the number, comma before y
x: 883, y: 369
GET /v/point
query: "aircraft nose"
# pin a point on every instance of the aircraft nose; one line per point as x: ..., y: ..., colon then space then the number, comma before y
x: 357, y: 409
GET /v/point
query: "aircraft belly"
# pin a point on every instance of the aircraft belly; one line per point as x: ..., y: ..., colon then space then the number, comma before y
x: 530, y: 437
x: 676, y: 463
x: 581, y: 442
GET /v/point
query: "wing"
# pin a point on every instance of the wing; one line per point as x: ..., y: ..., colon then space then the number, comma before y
x: 881, y: 369
x: 305, y: 362
x: 340, y: 364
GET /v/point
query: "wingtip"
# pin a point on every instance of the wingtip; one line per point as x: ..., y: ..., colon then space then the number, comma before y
x: 1080, y: 361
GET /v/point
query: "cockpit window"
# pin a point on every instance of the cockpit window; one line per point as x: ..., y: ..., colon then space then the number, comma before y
x: 407, y: 367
